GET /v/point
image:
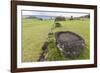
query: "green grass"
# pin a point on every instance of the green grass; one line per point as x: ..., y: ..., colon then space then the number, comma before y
x: 35, y: 33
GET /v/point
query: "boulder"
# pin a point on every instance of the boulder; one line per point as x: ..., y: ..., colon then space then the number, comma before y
x: 57, y: 24
x: 70, y: 44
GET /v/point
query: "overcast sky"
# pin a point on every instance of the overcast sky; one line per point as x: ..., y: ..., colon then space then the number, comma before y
x: 44, y: 13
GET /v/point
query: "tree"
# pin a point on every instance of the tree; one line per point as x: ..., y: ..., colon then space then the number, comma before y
x: 71, y: 18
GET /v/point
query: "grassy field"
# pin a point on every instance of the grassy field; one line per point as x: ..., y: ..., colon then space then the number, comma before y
x: 35, y: 33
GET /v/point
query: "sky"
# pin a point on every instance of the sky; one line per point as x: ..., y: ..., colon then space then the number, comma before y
x: 52, y: 13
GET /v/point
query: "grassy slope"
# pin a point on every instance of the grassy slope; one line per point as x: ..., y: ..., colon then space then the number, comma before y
x: 79, y: 27
x: 35, y: 34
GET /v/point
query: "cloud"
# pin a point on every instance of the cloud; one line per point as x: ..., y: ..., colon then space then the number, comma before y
x: 52, y: 13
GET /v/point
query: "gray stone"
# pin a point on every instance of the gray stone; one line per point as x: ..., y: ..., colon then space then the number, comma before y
x: 70, y: 44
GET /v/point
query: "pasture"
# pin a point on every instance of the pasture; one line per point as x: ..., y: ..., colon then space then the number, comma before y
x: 35, y: 33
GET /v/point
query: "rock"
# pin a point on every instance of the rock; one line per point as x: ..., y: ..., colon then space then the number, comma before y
x: 41, y: 57
x: 44, y: 51
x: 57, y: 24
x: 69, y: 43
x: 45, y: 46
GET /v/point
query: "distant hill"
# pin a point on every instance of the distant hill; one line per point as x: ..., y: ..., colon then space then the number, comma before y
x: 37, y: 17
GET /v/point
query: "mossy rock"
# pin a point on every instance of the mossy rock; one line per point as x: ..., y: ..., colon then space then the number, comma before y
x: 70, y: 44
x: 57, y: 24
